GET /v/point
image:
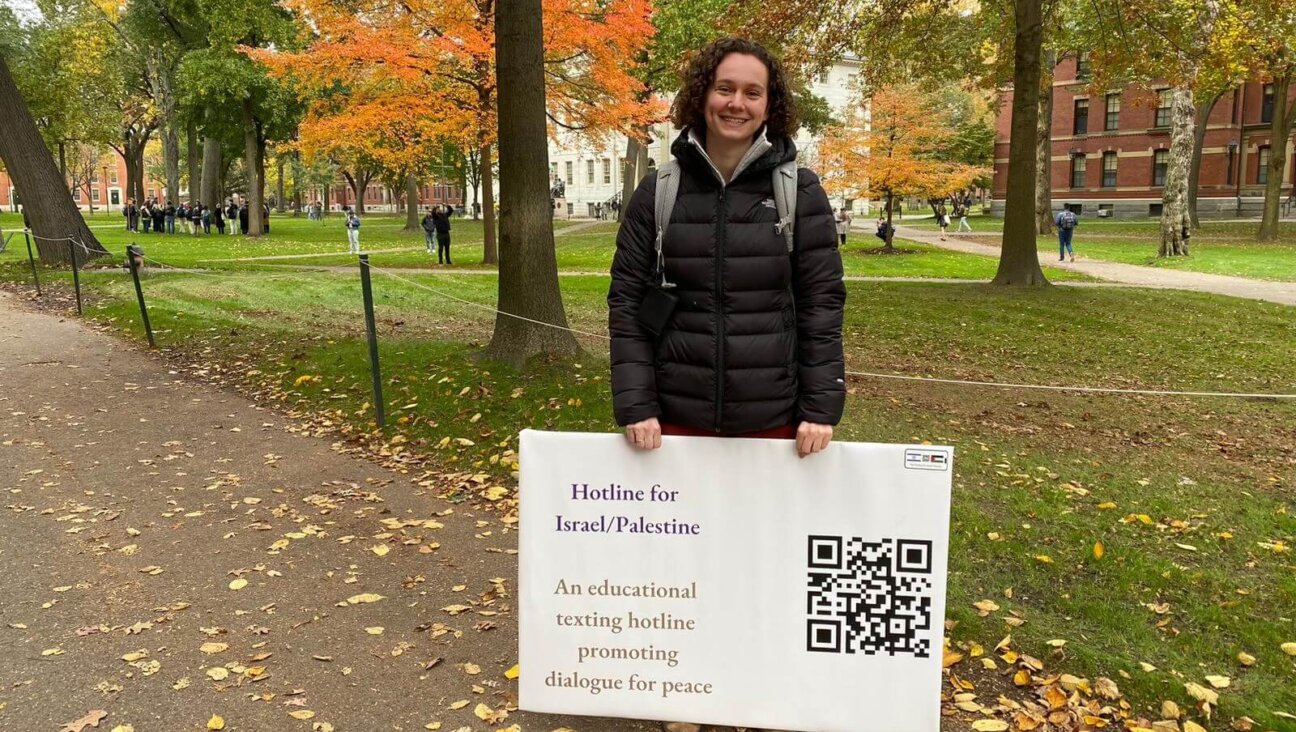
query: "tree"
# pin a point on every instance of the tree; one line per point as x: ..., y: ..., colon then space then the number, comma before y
x: 907, y: 148
x: 528, y: 279
x: 1274, y: 22
x: 1019, y: 259
x: 44, y: 190
x: 84, y: 161
x: 1194, y: 45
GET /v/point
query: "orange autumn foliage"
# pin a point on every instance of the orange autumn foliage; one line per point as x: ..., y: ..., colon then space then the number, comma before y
x: 894, y: 149
x: 389, y: 80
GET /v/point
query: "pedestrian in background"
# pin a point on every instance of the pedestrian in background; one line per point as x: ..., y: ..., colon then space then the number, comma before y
x: 441, y: 220
x: 1067, y: 222
x: 429, y: 231
x: 353, y: 231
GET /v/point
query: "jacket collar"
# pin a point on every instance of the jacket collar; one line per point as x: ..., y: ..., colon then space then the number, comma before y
x: 690, y: 149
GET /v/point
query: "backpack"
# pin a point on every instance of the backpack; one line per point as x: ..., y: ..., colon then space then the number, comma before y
x: 1067, y: 220
x: 785, y: 194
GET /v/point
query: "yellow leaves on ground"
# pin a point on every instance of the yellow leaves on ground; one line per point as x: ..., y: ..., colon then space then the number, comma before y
x: 216, y: 722
x: 985, y: 607
x: 1046, y: 559
x: 488, y: 715
x: 1207, y: 697
x: 1098, y: 550
x: 305, y: 379
x: 134, y: 656
x: 1191, y: 726
x: 1219, y: 682
x: 1106, y: 506
x: 495, y: 493
x: 1246, y: 659
x: 459, y: 704
x: 365, y: 597
x: 301, y: 714
x: 471, y: 669
x: 380, y: 549
x: 513, y: 673
x: 375, y: 630
x: 990, y: 725
x: 216, y: 673
x: 213, y: 648
x: 457, y: 609
x: 1289, y: 648
x: 238, y: 584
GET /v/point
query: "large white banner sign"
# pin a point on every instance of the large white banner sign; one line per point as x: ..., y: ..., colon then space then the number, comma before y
x: 727, y: 581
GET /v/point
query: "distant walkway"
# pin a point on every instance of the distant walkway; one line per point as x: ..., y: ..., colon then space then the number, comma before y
x: 1283, y: 293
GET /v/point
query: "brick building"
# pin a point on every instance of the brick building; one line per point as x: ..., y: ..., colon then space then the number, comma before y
x: 1110, y: 150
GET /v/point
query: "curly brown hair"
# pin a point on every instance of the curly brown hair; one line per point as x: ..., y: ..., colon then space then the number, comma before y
x: 690, y: 103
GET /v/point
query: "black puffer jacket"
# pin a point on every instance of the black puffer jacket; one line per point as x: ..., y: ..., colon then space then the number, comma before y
x: 755, y: 341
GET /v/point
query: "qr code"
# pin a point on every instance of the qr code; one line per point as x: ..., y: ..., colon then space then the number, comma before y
x: 869, y: 597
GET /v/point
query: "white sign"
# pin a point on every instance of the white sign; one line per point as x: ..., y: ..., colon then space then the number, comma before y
x: 727, y: 581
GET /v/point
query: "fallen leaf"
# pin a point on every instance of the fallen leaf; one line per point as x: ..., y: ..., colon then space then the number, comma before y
x: 301, y: 714
x: 1289, y: 648
x: 216, y: 722
x: 213, y: 648
x: 459, y: 704
x: 217, y: 673
x: 989, y: 725
x: 1098, y: 550
x: 91, y: 719
x: 380, y: 549
x: 364, y: 598
x: 238, y: 584
x: 513, y: 673
x: 1219, y: 682
x: 376, y: 630
x: 1246, y: 659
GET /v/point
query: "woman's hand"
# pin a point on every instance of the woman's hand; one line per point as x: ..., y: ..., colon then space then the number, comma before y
x: 812, y: 438
x: 645, y: 435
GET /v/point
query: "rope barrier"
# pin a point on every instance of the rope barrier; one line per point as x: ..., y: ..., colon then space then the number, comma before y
x: 488, y: 308
x: 1091, y: 389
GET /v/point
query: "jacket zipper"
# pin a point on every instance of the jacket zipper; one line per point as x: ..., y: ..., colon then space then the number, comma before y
x: 721, y: 235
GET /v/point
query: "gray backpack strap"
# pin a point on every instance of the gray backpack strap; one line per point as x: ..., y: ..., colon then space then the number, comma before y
x: 668, y: 176
x: 785, y: 195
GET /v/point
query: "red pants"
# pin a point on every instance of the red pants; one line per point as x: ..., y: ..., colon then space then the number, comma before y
x: 786, y: 432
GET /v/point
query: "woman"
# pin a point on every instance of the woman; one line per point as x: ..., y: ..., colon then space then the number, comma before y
x: 753, y: 347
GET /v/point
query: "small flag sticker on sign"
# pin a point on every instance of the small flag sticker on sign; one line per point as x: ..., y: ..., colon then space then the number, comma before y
x: 917, y: 458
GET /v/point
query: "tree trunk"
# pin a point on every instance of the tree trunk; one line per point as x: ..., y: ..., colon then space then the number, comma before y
x: 1044, y: 150
x: 325, y: 207
x: 49, y: 208
x: 888, y: 247
x: 164, y: 98
x: 62, y: 146
x: 191, y: 163
x: 1174, y: 199
x: 1199, y: 141
x: 253, y: 170
x: 1019, y: 259
x: 1280, y: 129
x: 296, y: 187
x: 490, y: 255
x: 279, y: 184
x: 411, y: 204
x: 628, y: 180
x: 211, y: 167
x: 473, y: 171
x: 528, y: 273
x: 359, y: 182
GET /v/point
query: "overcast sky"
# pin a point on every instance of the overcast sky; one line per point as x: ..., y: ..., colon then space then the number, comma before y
x: 24, y: 9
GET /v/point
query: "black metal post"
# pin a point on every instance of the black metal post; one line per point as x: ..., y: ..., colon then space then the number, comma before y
x: 373, y: 339
x: 32, y: 258
x: 132, y: 255
x: 76, y: 274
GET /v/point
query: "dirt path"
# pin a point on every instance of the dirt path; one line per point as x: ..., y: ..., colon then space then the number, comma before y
x: 1130, y: 274
x: 134, y: 499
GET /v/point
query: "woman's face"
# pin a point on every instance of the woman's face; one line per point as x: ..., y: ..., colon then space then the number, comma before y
x: 737, y: 104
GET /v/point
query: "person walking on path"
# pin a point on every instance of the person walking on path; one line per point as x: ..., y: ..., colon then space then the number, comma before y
x: 353, y: 231
x: 441, y: 220
x: 429, y: 231
x: 942, y: 220
x: 1066, y: 222
x: 961, y: 211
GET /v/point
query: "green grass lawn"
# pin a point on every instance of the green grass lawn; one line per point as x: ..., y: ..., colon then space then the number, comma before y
x: 1221, y: 247
x: 1191, y: 498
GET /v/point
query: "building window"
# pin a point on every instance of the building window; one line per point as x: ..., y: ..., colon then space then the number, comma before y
x: 1113, y: 111
x: 94, y: 195
x: 1081, y: 116
x: 1078, y: 165
x: 589, y: 172
x: 152, y: 193
x: 607, y: 171
x: 1109, y: 170
x: 1160, y: 161
x: 112, y: 177
x: 1267, y: 104
x: 1262, y: 168
x: 76, y: 195
x: 570, y: 178
x: 1164, y: 106
x: 1082, y: 65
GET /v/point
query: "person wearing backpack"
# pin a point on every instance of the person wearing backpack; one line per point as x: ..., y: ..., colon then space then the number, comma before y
x: 726, y: 313
x: 1066, y: 221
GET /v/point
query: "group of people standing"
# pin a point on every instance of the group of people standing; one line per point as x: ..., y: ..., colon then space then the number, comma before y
x: 194, y: 218
x: 436, y: 224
